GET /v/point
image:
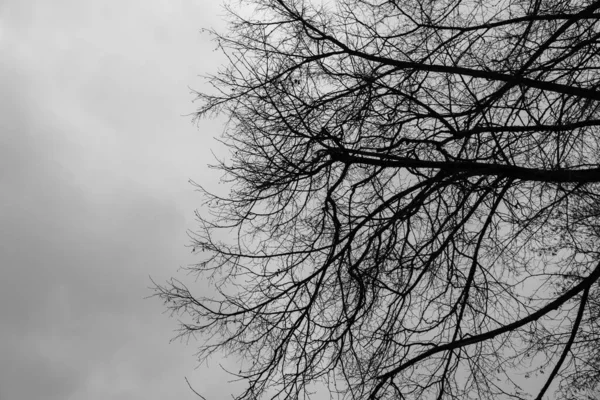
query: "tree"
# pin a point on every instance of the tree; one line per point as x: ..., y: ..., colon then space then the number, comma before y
x: 414, y: 206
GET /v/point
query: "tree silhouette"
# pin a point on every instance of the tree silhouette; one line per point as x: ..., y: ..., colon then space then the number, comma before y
x: 414, y: 205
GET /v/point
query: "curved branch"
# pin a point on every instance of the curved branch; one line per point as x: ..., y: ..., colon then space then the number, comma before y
x: 553, y: 305
x: 567, y: 348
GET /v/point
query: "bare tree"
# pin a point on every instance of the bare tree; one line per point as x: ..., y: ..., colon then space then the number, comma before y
x: 414, y: 209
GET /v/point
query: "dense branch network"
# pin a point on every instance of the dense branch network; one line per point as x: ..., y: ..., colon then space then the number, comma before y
x: 414, y: 208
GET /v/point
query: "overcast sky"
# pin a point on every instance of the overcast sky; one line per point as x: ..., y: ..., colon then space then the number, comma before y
x: 95, y: 157
x: 96, y: 152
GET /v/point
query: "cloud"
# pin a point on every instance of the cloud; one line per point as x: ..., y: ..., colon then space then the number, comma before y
x: 75, y: 265
x: 94, y: 161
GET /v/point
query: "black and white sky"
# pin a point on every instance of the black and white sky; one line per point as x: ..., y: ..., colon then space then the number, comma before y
x: 95, y: 155
x: 96, y: 150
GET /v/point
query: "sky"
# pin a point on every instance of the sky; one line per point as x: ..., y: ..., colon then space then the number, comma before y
x: 96, y: 150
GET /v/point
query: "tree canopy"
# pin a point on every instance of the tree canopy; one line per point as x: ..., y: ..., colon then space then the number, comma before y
x: 414, y: 205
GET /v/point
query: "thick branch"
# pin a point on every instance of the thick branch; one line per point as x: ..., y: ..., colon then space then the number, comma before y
x: 512, y: 21
x: 584, y: 93
x: 553, y: 305
x: 524, y: 128
x: 567, y: 348
x: 590, y: 175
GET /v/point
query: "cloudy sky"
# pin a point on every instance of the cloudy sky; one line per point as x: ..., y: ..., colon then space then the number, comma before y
x: 95, y: 157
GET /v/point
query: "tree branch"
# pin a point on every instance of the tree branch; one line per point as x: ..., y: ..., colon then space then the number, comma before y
x: 470, y: 168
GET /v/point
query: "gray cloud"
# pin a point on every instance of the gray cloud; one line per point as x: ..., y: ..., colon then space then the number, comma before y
x: 95, y: 156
